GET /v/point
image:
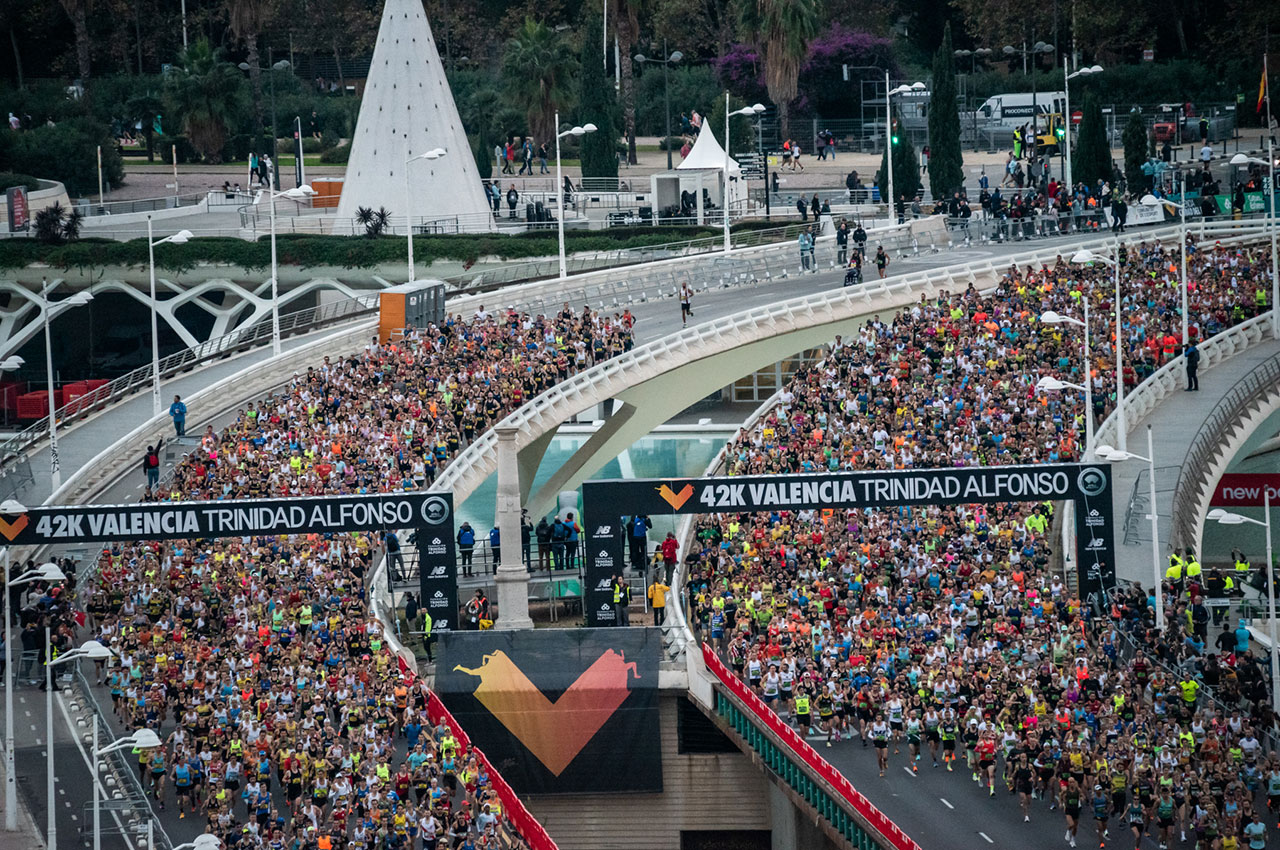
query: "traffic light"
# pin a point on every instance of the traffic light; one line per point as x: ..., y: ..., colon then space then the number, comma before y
x: 1060, y: 132
x: 894, y: 137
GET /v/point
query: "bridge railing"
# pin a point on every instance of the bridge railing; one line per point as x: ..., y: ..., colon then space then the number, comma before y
x: 786, y: 753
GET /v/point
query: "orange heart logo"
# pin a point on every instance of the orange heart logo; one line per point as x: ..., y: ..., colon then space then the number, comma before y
x: 12, y: 529
x: 555, y: 732
x: 674, y: 499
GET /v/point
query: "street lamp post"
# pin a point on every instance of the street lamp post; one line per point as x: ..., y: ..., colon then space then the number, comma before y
x: 573, y: 131
x: 889, y: 137
x: 1054, y: 318
x: 144, y: 739
x: 297, y: 193
x: 666, y: 63
x: 1241, y: 159
x: 1033, y: 51
x: 178, y: 238
x: 1066, y: 134
x: 751, y: 112
x: 408, y: 199
x: 1085, y: 257
x: 1109, y: 454
x: 44, y: 572
x: 1226, y: 518
x: 1153, y: 201
x: 974, y: 56
x: 282, y: 65
x: 80, y: 298
x: 89, y: 649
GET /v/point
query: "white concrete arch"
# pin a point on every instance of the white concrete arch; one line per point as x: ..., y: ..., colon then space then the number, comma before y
x: 655, y: 380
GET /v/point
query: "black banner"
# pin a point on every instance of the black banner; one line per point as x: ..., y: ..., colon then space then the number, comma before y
x: 438, y: 576
x: 603, y: 562
x: 1087, y: 485
x: 559, y: 711
x: 236, y: 518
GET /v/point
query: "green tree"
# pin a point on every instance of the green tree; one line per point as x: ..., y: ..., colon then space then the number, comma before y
x: 539, y: 66
x: 596, y: 105
x: 1092, y: 154
x: 781, y: 29
x: 946, y: 163
x: 1135, y: 153
x: 207, y: 94
x: 246, y: 19
x: 78, y: 12
x: 68, y: 153
x: 906, y: 166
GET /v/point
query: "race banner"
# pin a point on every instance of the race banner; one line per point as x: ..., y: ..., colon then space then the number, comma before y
x: 559, y: 711
x: 1245, y: 490
x: 438, y: 576
x: 603, y: 562
x: 233, y: 518
x: 1087, y: 485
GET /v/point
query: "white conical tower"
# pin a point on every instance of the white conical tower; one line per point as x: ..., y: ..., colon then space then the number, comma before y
x: 407, y: 110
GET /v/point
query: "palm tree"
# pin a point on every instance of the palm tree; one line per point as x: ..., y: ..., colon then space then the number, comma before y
x: 539, y: 66
x: 246, y: 19
x: 781, y: 30
x: 207, y: 93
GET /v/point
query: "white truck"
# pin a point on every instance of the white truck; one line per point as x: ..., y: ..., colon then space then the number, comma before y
x: 1016, y: 108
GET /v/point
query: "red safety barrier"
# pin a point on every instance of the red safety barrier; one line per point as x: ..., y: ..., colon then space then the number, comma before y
x: 806, y: 753
x: 512, y: 809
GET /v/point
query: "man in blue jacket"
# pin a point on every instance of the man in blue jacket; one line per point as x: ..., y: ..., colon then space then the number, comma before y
x: 466, y: 545
x: 178, y: 413
x: 638, y: 535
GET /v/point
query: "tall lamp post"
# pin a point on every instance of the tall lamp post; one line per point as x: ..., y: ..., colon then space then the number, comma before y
x: 282, y: 65
x: 1033, y: 51
x: 574, y: 131
x: 1066, y: 120
x: 179, y: 238
x: 89, y: 649
x: 671, y: 59
x: 973, y: 56
x: 751, y: 112
x: 1047, y: 383
x: 1153, y: 201
x: 1087, y: 257
x: 144, y: 739
x: 298, y: 193
x: 891, y: 139
x: 79, y: 299
x: 1270, y: 163
x: 1226, y: 518
x: 1114, y: 456
x: 408, y: 199
x: 44, y: 572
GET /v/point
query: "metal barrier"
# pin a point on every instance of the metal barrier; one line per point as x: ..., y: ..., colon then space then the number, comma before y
x: 139, y: 380
x: 91, y: 209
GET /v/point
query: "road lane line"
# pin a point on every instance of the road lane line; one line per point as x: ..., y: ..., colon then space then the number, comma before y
x: 93, y: 775
x: 945, y: 803
x: 986, y: 838
x: 909, y: 771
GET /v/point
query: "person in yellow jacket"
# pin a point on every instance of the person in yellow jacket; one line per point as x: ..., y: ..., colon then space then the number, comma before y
x: 658, y: 600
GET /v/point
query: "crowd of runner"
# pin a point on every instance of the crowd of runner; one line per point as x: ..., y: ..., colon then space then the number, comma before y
x: 940, y: 636
x: 286, y: 720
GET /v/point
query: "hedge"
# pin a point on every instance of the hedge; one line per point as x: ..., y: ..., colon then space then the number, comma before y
x: 350, y: 252
x: 8, y: 180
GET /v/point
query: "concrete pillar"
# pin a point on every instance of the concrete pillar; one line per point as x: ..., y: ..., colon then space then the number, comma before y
x: 512, y: 577
x: 782, y: 818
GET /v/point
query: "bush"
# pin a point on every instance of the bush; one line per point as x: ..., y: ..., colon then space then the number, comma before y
x: 674, y: 143
x: 67, y: 153
x: 8, y: 180
x: 165, y: 146
x: 336, y: 156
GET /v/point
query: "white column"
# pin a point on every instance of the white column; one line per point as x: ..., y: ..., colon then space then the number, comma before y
x: 55, y: 465
x: 512, y: 577
x: 1122, y: 438
x: 888, y: 146
x: 1155, y: 529
x: 156, y: 405
x: 559, y: 204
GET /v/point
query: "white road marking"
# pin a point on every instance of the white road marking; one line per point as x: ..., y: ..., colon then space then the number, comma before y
x: 945, y: 803
x: 909, y: 771
x: 92, y: 773
x: 986, y: 838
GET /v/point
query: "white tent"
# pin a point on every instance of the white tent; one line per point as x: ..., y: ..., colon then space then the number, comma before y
x: 702, y: 169
x: 408, y: 109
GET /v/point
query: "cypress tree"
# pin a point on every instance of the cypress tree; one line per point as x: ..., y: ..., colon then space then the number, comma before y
x: 596, y: 105
x: 1135, y: 154
x: 946, y: 163
x: 906, y: 166
x: 1092, y: 154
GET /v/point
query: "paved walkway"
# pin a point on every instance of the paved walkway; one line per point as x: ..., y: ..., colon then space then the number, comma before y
x: 1175, y: 424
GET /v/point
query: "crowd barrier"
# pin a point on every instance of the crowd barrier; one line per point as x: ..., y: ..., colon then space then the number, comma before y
x: 512, y: 809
